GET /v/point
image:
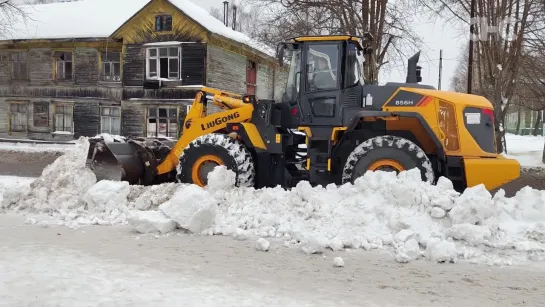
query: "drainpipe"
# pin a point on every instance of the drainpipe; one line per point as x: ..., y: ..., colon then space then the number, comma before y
x: 234, y: 17
x: 225, y: 13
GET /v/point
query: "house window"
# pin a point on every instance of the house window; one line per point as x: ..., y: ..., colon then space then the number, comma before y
x: 110, y: 120
x: 111, y: 66
x: 41, y: 114
x: 17, y: 117
x: 163, y: 23
x: 63, y: 117
x: 19, y: 66
x: 162, y: 122
x: 63, y: 62
x: 163, y: 63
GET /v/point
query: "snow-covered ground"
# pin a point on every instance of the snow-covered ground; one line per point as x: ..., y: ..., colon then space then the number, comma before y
x: 112, y: 266
x: 35, y: 147
x: 527, y: 149
x: 165, y: 243
x: 381, y: 211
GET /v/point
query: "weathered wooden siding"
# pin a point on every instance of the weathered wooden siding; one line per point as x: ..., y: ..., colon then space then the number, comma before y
x: 86, y: 118
x: 140, y: 29
x: 86, y: 66
x: 226, y: 70
x: 280, y: 80
x: 4, y: 115
x: 264, y: 89
x: 134, y: 65
x: 112, y: 93
x: 5, y: 67
x: 132, y: 119
x: 40, y: 66
x: 193, y: 64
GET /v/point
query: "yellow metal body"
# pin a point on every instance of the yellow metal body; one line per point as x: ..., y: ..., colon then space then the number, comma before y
x: 197, y: 123
x: 443, y: 112
x: 491, y: 172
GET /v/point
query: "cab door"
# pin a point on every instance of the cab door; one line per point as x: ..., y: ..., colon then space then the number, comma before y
x: 321, y: 84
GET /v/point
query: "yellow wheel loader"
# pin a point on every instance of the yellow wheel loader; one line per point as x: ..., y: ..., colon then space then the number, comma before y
x: 330, y: 127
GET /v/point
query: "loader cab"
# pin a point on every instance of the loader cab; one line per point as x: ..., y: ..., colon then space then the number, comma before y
x: 323, y: 71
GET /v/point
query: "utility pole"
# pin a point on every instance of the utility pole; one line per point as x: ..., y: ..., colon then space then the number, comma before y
x: 440, y: 67
x: 470, y: 57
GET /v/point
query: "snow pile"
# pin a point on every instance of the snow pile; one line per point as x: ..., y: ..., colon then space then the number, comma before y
x: 67, y: 191
x: 381, y: 211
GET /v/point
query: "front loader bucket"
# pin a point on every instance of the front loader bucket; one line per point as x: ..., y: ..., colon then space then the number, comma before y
x: 116, y: 161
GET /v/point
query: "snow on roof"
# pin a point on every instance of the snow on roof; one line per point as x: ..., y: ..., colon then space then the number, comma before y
x: 100, y: 19
x: 214, y: 25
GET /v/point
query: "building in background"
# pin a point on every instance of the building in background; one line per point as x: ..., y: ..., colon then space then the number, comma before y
x: 125, y: 67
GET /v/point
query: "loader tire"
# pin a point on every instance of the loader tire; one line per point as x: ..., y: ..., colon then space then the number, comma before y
x: 208, y: 151
x: 387, y: 153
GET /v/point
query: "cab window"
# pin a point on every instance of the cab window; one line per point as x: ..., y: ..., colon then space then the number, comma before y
x: 354, y: 66
x: 321, y: 67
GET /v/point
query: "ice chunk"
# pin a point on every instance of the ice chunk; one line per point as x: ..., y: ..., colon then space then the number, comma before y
x: 437, y: 212
x: 192, y: 207
x: 221, y: 178
x: 440, y: 250
x: 262, y: 245
x: 338, y: 262
x: 151, y: 222
x: 472, y: 234
x: 107, y: 195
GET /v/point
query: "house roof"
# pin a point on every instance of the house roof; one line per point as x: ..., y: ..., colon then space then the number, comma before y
x: 101, y: 18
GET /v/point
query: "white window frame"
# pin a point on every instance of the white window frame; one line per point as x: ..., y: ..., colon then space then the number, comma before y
x: 111, y: 77
x: 63, y: 116
x: 60, y: 66
x: 157, y: 58
x: 110, y: 119
x: 157, y: 118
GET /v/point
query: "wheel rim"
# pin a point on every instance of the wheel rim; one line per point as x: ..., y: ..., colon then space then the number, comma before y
x: 202, y: 167
x: 386, y: 165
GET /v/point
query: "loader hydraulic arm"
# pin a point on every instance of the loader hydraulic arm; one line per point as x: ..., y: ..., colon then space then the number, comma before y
x: 235, y: 109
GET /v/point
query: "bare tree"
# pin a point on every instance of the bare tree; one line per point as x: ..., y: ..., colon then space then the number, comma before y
x: 10, y: 11
x: 497, y: 57
x: 386, y: 20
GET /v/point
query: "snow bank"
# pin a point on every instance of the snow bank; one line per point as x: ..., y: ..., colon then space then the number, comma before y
x: 66, y: 191
x: 527, y: 149
x: 381, y: 211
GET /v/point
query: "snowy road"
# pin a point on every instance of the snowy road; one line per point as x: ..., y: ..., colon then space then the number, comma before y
x: 111, y: 266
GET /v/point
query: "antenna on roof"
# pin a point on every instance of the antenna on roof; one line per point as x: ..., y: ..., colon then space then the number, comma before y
x: 225, y: 13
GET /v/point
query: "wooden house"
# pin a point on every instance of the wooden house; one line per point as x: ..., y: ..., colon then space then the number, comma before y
x: 124, y: 67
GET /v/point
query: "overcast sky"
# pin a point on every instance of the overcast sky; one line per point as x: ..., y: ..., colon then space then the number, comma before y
x: 436, y: 35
